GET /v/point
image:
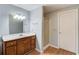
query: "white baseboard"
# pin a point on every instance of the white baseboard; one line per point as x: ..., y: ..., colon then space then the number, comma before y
x: 46, y: 47
x: 38, y: 50
x: 53, y: 46
x: 50, y: 45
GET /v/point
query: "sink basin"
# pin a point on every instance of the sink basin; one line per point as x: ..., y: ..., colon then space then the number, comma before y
x: 20, y: 34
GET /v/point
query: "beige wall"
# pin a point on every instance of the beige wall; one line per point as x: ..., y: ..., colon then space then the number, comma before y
x: 53, y: 29
x: 50, y: 29
x: 46, y: 30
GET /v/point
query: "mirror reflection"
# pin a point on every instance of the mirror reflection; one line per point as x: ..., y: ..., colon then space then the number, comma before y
x: 16, y: 23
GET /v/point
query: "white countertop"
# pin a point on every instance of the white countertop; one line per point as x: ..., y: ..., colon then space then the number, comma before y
x: 16, y: 36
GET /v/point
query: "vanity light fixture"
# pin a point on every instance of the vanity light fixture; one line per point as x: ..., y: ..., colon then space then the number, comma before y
x: 19, y: 17
x: 23, y: 17
x: 15, y: 16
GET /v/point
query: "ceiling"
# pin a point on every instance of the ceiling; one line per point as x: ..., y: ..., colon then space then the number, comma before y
x: 28, y: 7
x: 47, y: 7
x: 53, y: 7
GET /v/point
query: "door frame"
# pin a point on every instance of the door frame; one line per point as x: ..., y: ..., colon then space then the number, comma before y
x: 76, y: 29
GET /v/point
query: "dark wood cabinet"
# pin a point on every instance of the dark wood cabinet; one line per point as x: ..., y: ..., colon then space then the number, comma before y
x: 33, y: 44
x: 27, y: 45
x: 19, y: 46
x: 11, y: 50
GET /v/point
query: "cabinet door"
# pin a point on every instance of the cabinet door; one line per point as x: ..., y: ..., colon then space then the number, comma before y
x: 27, y: 45
x: 10, y: 50
x: 20, y: 47
x: 33, y: 42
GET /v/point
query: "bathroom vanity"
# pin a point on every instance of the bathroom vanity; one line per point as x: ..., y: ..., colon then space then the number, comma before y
x: 19, y: 44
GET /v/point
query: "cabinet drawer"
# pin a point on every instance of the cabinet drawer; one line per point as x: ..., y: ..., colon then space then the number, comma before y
x: 10, y: 43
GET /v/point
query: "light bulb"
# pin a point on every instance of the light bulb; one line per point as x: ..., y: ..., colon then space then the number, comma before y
x: 19, y: 17
x: 23, y: 17
x: 15, y: 16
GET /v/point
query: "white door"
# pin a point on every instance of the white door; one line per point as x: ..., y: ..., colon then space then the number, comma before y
x: 67, y: 39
